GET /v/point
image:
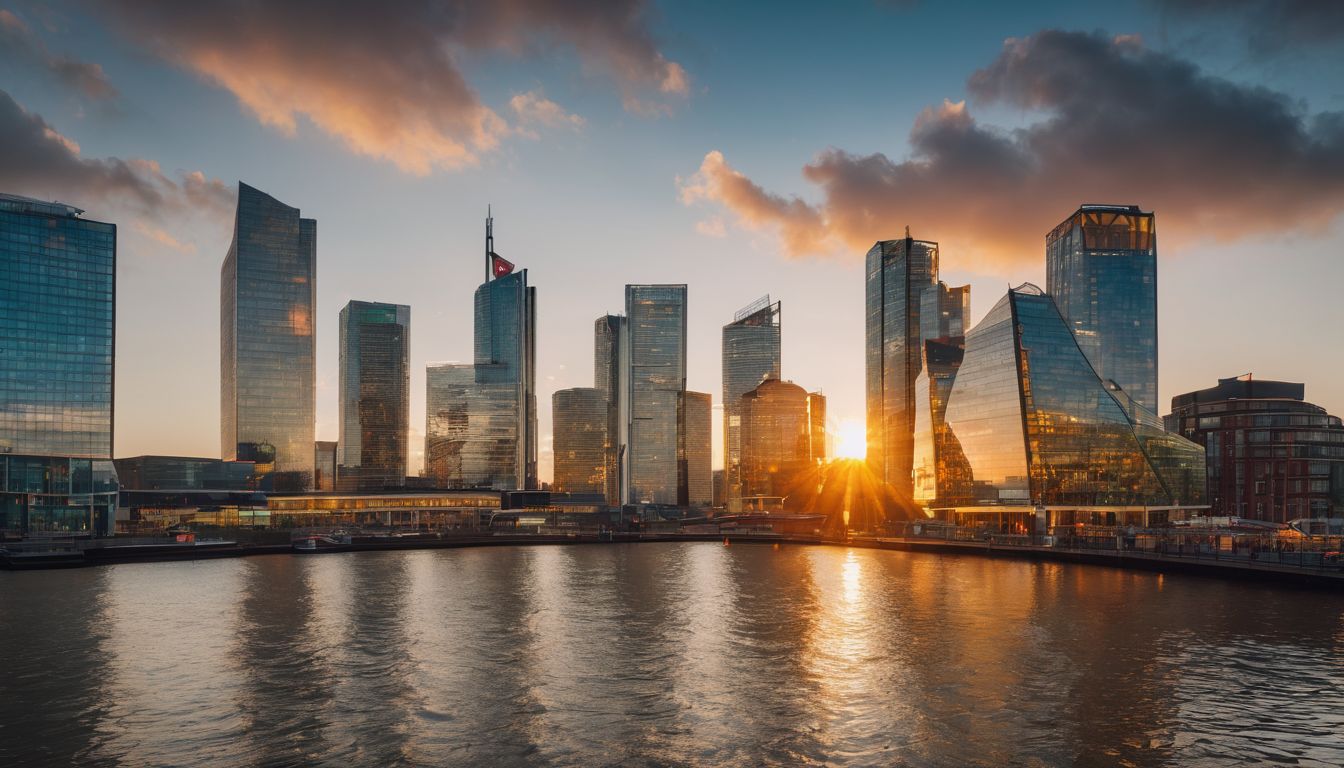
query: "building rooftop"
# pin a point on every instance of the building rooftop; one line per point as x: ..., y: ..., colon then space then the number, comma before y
x: 21, y: 204
x: 1242, y: 388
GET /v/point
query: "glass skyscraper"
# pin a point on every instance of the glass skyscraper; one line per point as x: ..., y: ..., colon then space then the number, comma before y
x: 783, y: 442
x: 898, y: 272
x: 1037, y: 429
x: 375, y: 396
x: 267, y: 296
x: 750, y: 355
x: 579, y: 419
x: 695, y: 471
x: 610, y: 353
x: 57, y: 341
x: 1101, y: 268
x: 656, y: 365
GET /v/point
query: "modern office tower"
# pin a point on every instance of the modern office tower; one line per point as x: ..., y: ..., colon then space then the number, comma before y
x: 57, y: 341
x: 939, y: 464
x: 898, y: 274
x: 944, y: 311
x: 750, y: 355
x: 1046, y: 442
x: 324, y: 463
x: 481, y: 419
x: 655, y: 378
x: 610, y: 353
x: 1270, y: 455
x: 1101, y: 269
x: 375, y: 396
x: 267, y: 296
x: 579, y: 421
x: 695, y: 471
x: 783, y: 443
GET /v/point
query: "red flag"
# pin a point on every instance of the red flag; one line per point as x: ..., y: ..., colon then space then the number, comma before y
x: 501, y: 265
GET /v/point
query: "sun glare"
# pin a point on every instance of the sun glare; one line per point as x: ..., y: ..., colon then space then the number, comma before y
x: 851, y: 440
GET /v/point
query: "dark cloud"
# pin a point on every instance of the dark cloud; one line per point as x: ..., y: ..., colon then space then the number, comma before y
x: 1116, y: 123
x: 384, y: 78
x: 1269, y: 26
x: 18, y: 45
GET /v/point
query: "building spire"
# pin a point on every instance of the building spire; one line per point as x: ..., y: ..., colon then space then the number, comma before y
x: 489, y: 240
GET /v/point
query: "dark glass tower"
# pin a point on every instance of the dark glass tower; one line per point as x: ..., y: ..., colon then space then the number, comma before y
x: 267, y: 296
x: 610, y: 350
x: 57, y: 341
x: 898, y: 274
x: 654, y: 384
x: 750, y: 355
x: 1101, y: 268
x: 375, y: 394
x: 695, y: 472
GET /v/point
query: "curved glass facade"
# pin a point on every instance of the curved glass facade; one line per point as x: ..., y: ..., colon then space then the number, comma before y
x: 750, y: 355
x: 375, y: 396
x: 579, y: 429
x: 267, y: 295
x: 783, y: 441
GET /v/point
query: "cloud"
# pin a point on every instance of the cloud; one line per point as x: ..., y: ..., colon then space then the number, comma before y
x: 19, y: 45
x: 40, y: 162
x: 1269, y: 26
x: 1114, y: 122
x: 533, y: 108
x: 160, y: 236
x: 385, y: 80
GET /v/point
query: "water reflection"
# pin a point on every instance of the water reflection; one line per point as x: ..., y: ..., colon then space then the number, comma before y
x: 693, y: 654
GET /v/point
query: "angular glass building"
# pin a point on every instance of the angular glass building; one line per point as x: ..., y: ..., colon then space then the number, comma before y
x: 695, y: 472
x: 783, y: 442
x: 610, y: 360
x: 579, y: 420
x: 1042, y: 436
x: 898, y: 272
x: 267, y: 354
x: 1101, y: 268
x: 375, y: 396
x: 1270, y: 454
x: 944, y: 311
x: 654, y: 382
x: 57, y: 342
x: 939, y: 463
x: 750, y: 355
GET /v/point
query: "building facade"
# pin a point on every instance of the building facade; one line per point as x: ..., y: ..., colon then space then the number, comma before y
x: 1101, y: 269
x: 1270, y: 455
x: 579, y: 426
x: 751, y: 354
x: 610, y: 362
x: 375, y: 396
x: 898, y: 272
x: 1041, y: 440
x: 783, y: 443
x: 57, y: 346
x: 267, y: 351
x: 695, y: 470
x: 654, y: 380
x: 324, y: 463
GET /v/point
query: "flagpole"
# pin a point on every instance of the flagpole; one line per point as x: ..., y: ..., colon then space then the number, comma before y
x: 489, y: 239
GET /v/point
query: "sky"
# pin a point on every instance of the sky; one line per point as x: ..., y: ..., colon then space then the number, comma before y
x: 743, y: 149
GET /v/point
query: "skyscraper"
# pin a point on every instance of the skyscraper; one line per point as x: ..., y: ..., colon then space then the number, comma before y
x: 695, y: 471
x: 944, y: 311
x: 375, y: 396
x: 57, y: 341
x: 267, y: 297
x: 898, y: 273
x: 750, y: 355
x: 610, y: 353
x: 656, y: 366
x: 1101, y: 269
x: 579, y: 419
x: 481, y: 419
x: 783, y: 442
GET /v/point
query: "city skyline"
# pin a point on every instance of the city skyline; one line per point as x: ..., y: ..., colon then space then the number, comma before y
x: 427, y: 217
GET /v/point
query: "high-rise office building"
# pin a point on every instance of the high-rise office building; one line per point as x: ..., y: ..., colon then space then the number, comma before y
x: 783, y: 443
x: 579, y: 419
x: 481, y: 419
x: 57, y: 341
x: 944, y: 311
x: 1101, y: 269
x: 375, y: 396
x: 654, y: 382
x: 267, y: 296
x: 898, y: 272
x: 750, y: 355
x: 695, y: 471
x: 610, y: 353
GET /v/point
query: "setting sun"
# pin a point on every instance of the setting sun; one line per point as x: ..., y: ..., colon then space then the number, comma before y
x: 851, y: 440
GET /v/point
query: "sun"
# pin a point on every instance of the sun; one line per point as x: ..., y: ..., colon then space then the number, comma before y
x: 851, y: 440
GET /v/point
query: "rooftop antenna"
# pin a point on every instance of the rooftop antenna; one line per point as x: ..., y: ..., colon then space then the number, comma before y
x: 489, y: 240
x: 907, y: 231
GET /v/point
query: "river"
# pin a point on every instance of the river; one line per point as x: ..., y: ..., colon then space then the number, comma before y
x: 662, y: 654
